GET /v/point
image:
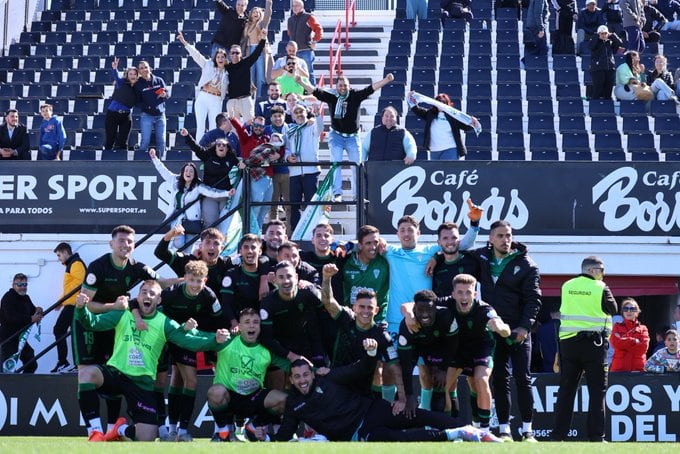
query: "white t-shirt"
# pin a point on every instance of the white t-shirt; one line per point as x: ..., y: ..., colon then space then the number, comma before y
x: 441, y: 136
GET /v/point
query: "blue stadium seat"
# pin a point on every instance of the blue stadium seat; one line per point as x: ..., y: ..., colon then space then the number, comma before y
x: 184, y: 90
x: 82, y: 37
x: 391, y: 91
x: 174, y: 154
x: 666, y: 125
x: 175, y: 106
x: 104, y: 76
x: 577, y: 156
x: 640, y: 142
x: 607, y: 142
x: 400, y: 75
x: 10, y: 63
x: 509, y: 107
x: 29, y: 37
x: 99, y: 50
x: 149, y: 14
x: 394, y: 48
x: 80, y: 154
x: 601, y: 107
x: 566, y: 76
x: 506, y: 13
x: 480, y: 36
x: 93, y: 139
x: 569, y: 107
x: 508, y: 76
x: 662, y: 108
x: 23, y: 76
x: 575, y: 141
x: 423, y: 76
x: 78, y: 75
x: 481, y: 142
x: 564, y: 62
x: 155, y: 49
x: 511, y: 155
x: 451, y: 36
x: 109, y: 4
x: 568, y: 91
x: 398, y: 61
x: 455, y: 91
x: 46, y: 50
x: 91, y: 26
x: 72, y: 50
x: 645, y: 156
x: 635, y: 124
x: 477, y: 107
x: 194, y: 25
x: 11, y: 91
x: 75, y: 122
x: 125, y: 49
x: 85, y: 106
x: 431, y: 36
x: 429, y: 24
x: 507, y: 62
x: 183, y: 4
x: 90, y: 62
x: 539, y: 123
x: 509, y: 123
x: 537, y: 76
x: 511, y: 141
x: 479, y: 62
x: 507, y: 37
x: 114, y: 155
x: 426, y: 48
x: 544, y: 155
x: 423, y: 62
x: 478, y: 155
x: 604, y: 124
x: 426, y: 89
x: 480, y: 48
x: 69, y: 91
x: 633, y: 108
x: 61, y: 63
x: 39, y: 91
x: 401, y: 24
x: 539, y: 106
x: 538, y: 91
x: 669, y: 143
x: 98, y: 121
x: 612, y: 155
x: 479, y: 76
x: 21, y: 50
x: 27, y: 106
x: 476, y: 91
x: 535, y: 62
x: 451, y: 76
x: 509, y: 91
x: 66, y: 26
x: 542, y: 141
x: 507, y: 48
x: 133, y: 37
x: 100, y: 14
x: 572, y: 123
x: 39, y: 63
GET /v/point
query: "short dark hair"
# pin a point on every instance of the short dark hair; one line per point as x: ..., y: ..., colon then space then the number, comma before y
x: 591, y: 261
x: 500, y: 223
x: 367, y: 293
x: 446, y: 226
x: 122, y: 229
x: 249, y: 237
x: 273, y: 82
x: 63, y: 247
x: 669, y: 332
x: 277, y: 110
x: 424, y: 296
x: 288, y: 245
x: 221, y: 118
x: 20, y: 277
x: 301, y: 362
x: 212, y: 232
x: 408, y: 219
x: 278, y: 222
x: 366, y: 230
x: 283, y: 264
x: 9, y: 111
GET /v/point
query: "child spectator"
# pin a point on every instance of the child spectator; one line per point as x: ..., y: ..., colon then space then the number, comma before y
x: 52, y: 135
x: 667, y: 359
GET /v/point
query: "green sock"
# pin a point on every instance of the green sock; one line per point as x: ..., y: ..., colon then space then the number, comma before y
x: 425, y: 399
x: 388, y: 392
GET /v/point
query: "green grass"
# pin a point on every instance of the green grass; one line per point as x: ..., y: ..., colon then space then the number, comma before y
x: 76, y: 445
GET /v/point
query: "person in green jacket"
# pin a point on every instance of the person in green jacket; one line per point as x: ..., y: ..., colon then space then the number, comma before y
x: 131, y: 369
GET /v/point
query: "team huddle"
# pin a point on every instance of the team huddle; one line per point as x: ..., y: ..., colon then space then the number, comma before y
x: 328, y: 337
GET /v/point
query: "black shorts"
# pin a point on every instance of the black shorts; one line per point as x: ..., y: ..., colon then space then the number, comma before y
x: 248, y: 405
x: 141, y: 403
x: 476, y: 355
x: 91, y: 347
x: 179, y: 355
x: 164, y: 360
x: 434, y: 358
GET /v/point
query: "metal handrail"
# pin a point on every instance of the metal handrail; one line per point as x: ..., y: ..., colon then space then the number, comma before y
x: 335, y: 58
x: 349, y: 7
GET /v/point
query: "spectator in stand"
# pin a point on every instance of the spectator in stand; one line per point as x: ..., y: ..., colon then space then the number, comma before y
x: 671, y: 11
x: 151, y: 96
x: 14, y: 140
x: 279, y: 66
x: 535, y: 28
x: 258, y: 20
x: 281, y: 176
x: 305, y: 30
x: 629, y: 339
x: 73, y: 278
x: 212, y: 86
x: 629, y: 79
x: 441, y: 130
x: 289, y: 79
x: 589, y: 20
x: 659, y: 334
x: 17, y: 312
x: 614, y: 17
x: 602, y: 63
x: 118, y: 121
x: 263, y: 107
x: 661, y: 73
x: 223, y: 130
x: 563, y: 42
x: 186, y: 188
x: 651, y: 32
x: 232, y: 24
x: 389, y: 141
x: 218, y: 159
x: 302, y: 145
x: 416, y: 8
x: 344, y: 103
x: 457, y: 9
x: 292, y: 100
x: 52, y: 135
x: 633, y: 21
x: 666, y: 359
x: 240, y: 103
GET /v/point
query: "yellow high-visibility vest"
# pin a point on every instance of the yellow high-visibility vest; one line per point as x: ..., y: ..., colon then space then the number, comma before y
x: 581, y: 308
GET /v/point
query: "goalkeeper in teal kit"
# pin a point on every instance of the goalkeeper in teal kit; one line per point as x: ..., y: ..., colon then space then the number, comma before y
x: 131, y: 370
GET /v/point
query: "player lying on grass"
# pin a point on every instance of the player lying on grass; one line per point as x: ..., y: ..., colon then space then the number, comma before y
x: 131, y: 370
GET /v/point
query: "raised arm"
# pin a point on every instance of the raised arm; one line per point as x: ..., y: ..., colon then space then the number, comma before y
x: 381, y: 83
x: 329, y: 302
x: 193, y: 52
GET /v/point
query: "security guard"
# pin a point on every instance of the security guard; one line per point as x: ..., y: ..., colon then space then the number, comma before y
x: 586, y: 310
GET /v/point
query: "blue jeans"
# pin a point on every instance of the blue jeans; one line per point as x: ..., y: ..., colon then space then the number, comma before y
x: 338, y: 144
x: 450, y: 154
x: 260, y: 191
x: 416, y: 8
x: 47, y: 153
x: 308, y: 57
x: 301, y: 187
x: 257, y: 73
x: 147, y: 123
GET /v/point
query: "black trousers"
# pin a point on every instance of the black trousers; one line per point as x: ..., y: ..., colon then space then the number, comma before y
x: 381, y: 425
x: 603, y: 83
x: 579, y: 355
x: 118, y: 127
x: 60, y: 328
x: 520, y: 357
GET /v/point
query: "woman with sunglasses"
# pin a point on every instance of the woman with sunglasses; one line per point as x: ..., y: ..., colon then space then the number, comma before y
x: 186, y: 187
x: 218, y: 159
x: 629, y: 339
x: 212, y: 86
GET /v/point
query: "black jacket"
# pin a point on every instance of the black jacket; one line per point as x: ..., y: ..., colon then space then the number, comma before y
x: 603, y: 51
x: 15, y: 313
x: 456, y: 126
x: 215, y: 168
x: 19, y: 142
x: 230, y: 29
x: 516, y: 295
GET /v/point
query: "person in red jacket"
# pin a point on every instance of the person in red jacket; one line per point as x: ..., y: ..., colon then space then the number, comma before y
x: 629, y: 339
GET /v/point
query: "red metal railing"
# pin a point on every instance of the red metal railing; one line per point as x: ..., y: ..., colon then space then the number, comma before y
x: 349, y: 7
x: 335, y: 54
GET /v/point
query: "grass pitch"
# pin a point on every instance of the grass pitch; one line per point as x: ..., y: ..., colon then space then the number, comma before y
x: 77, y: 445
